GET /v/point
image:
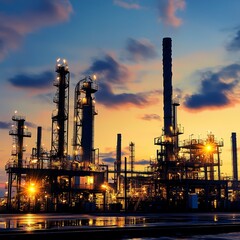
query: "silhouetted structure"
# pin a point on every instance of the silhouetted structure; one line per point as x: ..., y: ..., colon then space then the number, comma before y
x: 59, y: 148
x: 132, y: 156
x: 234, y: 156
x: 19, y: 132
x: 118, y: 163
x: 185, y: 174
x: 50, y: 181
x: 189, y: 168
x: 84, y: 112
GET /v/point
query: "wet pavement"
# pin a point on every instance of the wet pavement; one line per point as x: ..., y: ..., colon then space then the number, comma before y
x: 117, y: 226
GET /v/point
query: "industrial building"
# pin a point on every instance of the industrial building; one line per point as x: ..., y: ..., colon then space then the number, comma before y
x: 185, y: 175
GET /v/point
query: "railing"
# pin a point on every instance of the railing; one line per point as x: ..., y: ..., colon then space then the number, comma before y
x: 15, y: 132
x: 47, y: 165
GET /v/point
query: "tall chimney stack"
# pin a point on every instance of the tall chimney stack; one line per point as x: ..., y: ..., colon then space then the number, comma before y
x: 119, y: 159
x: 167, y: 85
x: 234, y: 157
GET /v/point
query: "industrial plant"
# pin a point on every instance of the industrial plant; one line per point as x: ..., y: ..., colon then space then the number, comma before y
x: 184, y: 175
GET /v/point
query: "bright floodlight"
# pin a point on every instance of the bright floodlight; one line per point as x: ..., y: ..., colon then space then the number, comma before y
x: 208, y: 148
x: 32, y: 189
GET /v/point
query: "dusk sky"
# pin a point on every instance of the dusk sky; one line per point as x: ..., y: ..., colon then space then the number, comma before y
x: 121, y: 42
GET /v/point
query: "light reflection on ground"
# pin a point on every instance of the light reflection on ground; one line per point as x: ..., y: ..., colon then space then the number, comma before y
x: 31, y: 222
x: 38, y: 221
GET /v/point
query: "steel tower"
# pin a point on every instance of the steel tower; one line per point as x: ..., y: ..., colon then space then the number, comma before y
x: 118, y: 162
x: 83, y: 129
x: 59, y: 147
x: 19, y: 132
x: 167, y: 85
x: 132, y: 156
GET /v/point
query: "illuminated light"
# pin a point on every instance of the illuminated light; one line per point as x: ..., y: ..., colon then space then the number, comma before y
x: 15, y: 111
x: 32, y: 189
x: 64, y: 61
x: 208, y: 148
x: 94, y: 77
x: 58, y: 60
x: 84, y: 100
x: 90, y: 222
x: 104, y: 186
x: 90, y: 180
x: 34, y: 161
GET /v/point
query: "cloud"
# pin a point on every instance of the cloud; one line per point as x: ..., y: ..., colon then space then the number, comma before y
x: 234, y: 44
x: 109, y: 70
x: 13, y: 28
x: 127, y: 4
x: 111, y: 73
x: 108, y: 157
x: 108, y: 98
x: 142, y: 162
x: 33, y: 81
x: 47, y: 98
x: 216, y: 89
x: 8, y: 125
x: 109, y: 160
x: 149, y: 117
x: 167, y: 11
x: 140, y: 50
x: 5, y: 125
x: 31, y: 125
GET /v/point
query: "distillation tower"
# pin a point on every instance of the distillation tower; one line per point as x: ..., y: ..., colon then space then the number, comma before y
x: 83, y: 129
x: 59, y: 146
x: 189, y: 169
x: 19, y: 132
x: 52, y: 181
x: 132, y: 156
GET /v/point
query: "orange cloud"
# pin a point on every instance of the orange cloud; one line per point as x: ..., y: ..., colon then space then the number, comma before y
x: 168, y: 9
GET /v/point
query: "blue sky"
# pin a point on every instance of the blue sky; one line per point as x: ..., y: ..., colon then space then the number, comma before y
x: 121, y: 42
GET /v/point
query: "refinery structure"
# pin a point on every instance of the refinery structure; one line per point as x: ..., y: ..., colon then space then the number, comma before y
x: 185, y: 175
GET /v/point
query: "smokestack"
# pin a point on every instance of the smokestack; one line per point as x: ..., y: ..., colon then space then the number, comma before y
x: 234, y: 157
x: 167, y: 85
x: 39, y: 140
x: 119, y: 160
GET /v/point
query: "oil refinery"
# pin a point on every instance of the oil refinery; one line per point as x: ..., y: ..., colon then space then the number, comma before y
x: 184, y: 176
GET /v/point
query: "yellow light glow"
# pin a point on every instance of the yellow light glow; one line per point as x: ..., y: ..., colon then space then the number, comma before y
x: 84, y: 100
x: 104, y: 186
x: 90, y: 180
x: 32, y: 189
x: 208, y: 148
